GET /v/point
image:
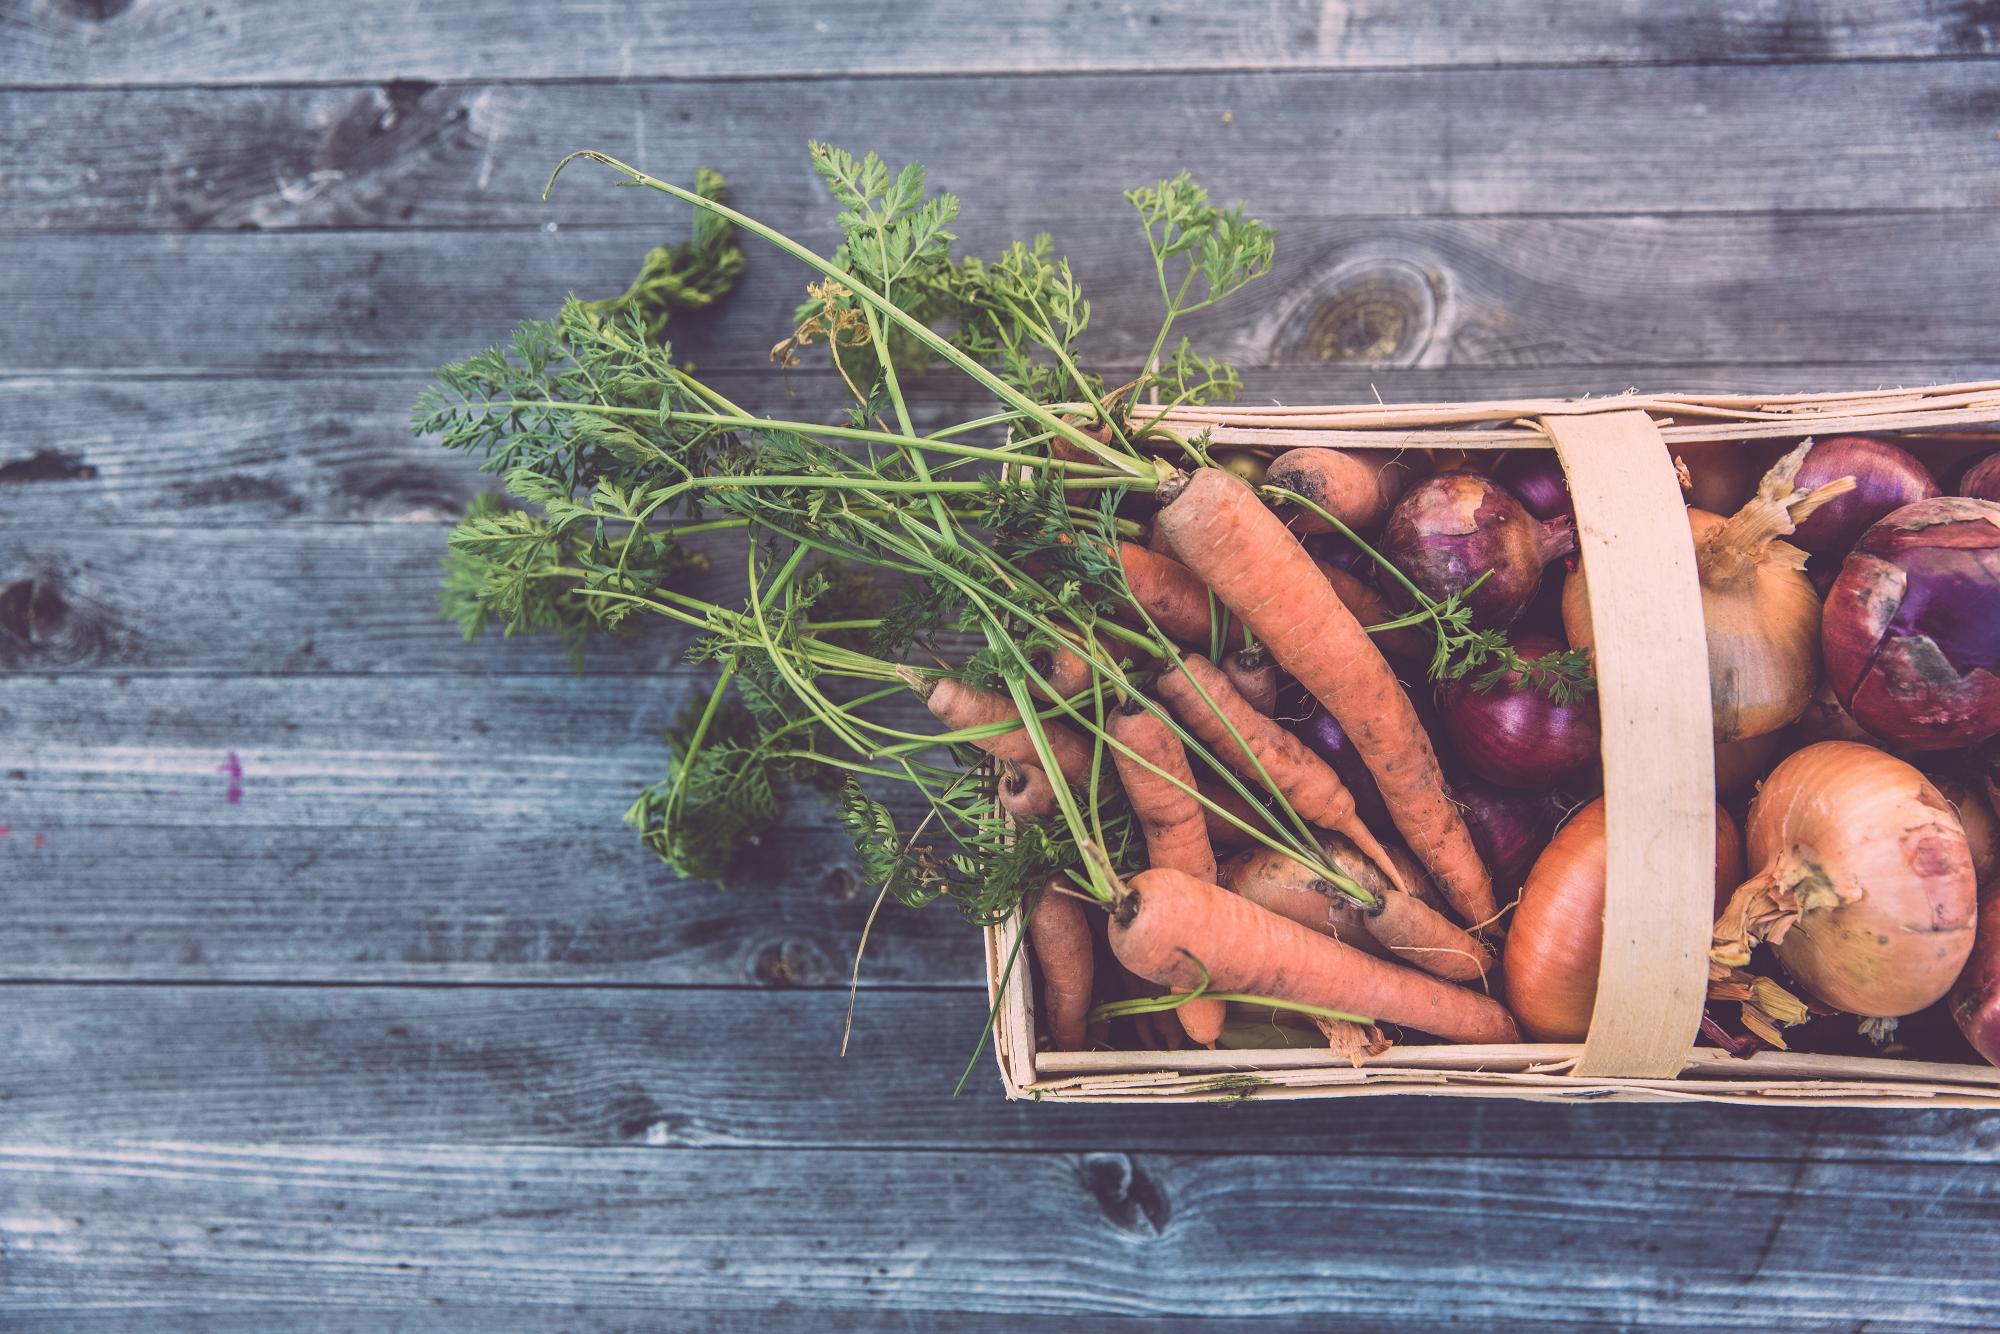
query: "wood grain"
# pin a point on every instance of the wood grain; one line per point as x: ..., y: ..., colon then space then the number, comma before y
x: 336, y: 448
x: 590, y: 1067
x: 185, y: 41
x: 1624, y: 292
x: 1435, y: 143
x: 175, y: 1228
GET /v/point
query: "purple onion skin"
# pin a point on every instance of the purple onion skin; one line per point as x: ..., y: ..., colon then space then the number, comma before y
x: 1982, y: 479
x: 1509, y: 829
x: 1514, y: 735
x: 1975, y: 997
x: 1536, y: 478
x: 1911, y: 630
x: 1449, y: 529
x: 1886, y: 477
x: 1326, y: 738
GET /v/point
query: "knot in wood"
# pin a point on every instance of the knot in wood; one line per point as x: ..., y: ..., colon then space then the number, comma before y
x: 1127, y: 1193
x: 1376, y: 311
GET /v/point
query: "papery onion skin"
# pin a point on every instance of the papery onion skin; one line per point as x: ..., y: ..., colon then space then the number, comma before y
x: 1851, y: 821
x: 1513, y: 734
x: 1982, y: 480
x: 1450, y: 529
x: 1739, y: 764
x: 1510, y: 829
x: 1886, y: 478
x: 1982, y: 831
x: 1556, y: 938
x: 1912, y: 625
x: 1827, y: 719
x: 1975, y: 996
x: 1536, y: 478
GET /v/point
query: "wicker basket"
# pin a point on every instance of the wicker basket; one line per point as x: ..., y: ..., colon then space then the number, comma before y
x: 1658, y: 778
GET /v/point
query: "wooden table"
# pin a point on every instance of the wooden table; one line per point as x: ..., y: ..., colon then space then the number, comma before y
x: 336, y: 996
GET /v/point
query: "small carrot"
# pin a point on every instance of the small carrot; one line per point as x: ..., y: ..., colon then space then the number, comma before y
x: 1357, y: 490
x: 1059, y: 939
x: 1177, y: 601
x: 1067, y: 672
x: 1401, y: 924
x: 1301, y: 777
x: 1169, y: 927
x: 1170, y: 819
x: 959, y: 706
x: 1243, y: 551
x: 1025, y: 793
x: 1369, y: 608
x: 1255, y: 677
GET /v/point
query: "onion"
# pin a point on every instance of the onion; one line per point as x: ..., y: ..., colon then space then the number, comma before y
x: 1982, y: 479
x: 1510, y: 829
x: 1863, y: 885
x: 1982, y: 832
x: 1326, y: 738
x: 1721, y: 474
x: 1557, y: 936
x: 1760, y: 611
x: 1536, y: 478
x: 1513, y: 734
x: 1450, y: 529
x: 1827, y: 719
x: 1975, y: 997
x: 1739, y: 764
x: 1912, y: 631
x: 1886, y: 477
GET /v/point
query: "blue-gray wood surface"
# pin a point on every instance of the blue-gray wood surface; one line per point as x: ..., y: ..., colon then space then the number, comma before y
x: 333, y: 995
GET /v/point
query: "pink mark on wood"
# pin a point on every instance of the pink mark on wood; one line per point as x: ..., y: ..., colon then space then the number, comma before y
x: 41, y: 841
x: 233, y: 768
x: 6, y: 831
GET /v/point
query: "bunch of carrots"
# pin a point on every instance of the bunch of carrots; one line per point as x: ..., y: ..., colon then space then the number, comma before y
x: 1180, y: 707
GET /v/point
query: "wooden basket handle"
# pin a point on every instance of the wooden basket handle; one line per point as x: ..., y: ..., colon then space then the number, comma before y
x: 1659, y: 759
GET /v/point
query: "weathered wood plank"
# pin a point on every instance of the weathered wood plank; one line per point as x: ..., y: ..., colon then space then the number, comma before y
x: 584, y: 1068
x: 1470, y: 142
x: 176, y: 1228
x: 1585, y: 292
x: 441, y: 828
x: 336, y: 448
x: 181, y: 41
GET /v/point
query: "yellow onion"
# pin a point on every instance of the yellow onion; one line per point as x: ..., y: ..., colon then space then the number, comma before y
x: 1760, y: 610
x: 1863, y: 886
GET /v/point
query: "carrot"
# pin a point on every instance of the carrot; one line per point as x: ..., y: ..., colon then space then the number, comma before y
x: 1255, y: 677
x: 1067, y: 672
x: 1156, y: 542
x: 1369, y: 609
x: 1059, y: 939
x: 1301, y: 777
x: 1024, y: 793
x: 1158, y: 1030
x: 1358, y: 491
x: 1169, y: 926
x: 1177, y: 601
x: 958, y: 705
x: 1170, y: 819
x: 1402, y: 924
x: 1224, y: 534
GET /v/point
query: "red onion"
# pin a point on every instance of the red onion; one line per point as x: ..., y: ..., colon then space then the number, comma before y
x: 1450, y: 529
x: 1325, y: 738
x: 1982, y: 479
x: 1975, y: 997
x: 1510, y: 829
x: 1536, y: 478
x: 1513, y: 734
x: 1886, y: 477
x: 1912, y: 627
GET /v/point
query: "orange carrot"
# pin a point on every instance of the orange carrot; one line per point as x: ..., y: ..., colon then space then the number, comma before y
x: 1402, y: 924
x: 1024, y: 793
x: 1255, y: 677
x: 1358, y: 490
x: 1169, y: 926
x: 1369, y: 609
x: 1170, y: 819
x: 958, y: 705
x: 1301, y: 777
x: 1177, y: 601
x: 1067, y: 672
x: 1225, y: 535
x: 1059, y: 939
